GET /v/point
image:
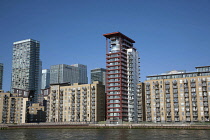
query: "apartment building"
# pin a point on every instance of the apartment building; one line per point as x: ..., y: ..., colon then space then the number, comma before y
x: 122, y: 76
x: 26, y: 67
x: 13, y: 109
x: 178, y: 96
x: 76, y: 103
x: 36, y: 113
x: 141, y: 102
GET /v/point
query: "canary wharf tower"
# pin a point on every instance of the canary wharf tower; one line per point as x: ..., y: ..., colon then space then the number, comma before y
x: 26, y: 67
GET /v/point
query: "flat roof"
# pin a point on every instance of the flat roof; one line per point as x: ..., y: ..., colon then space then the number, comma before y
x: 26, y: 40
x: 109, y: 35
x: 202, y: 67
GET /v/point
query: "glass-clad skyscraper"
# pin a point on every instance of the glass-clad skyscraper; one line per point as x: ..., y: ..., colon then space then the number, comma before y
x: 98, y: 74
x: 63, y: 73
x: 1, y: 75
x: 26, y: 68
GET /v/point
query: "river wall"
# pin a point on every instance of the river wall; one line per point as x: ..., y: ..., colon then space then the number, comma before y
x: 103, y: 126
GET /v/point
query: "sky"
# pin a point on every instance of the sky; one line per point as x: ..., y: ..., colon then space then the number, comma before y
x: 169, y: 35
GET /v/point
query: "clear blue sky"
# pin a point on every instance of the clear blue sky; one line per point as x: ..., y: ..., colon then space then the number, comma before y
x: 169, y: 34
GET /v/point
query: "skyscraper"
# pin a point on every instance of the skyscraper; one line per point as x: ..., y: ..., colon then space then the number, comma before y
x: 98, y: 74
x: 1, y: 75
x: 45, y: 79
x: 63, y: 73
x: 26, y: 67
x: 122, y: 64
x: 83, y: 79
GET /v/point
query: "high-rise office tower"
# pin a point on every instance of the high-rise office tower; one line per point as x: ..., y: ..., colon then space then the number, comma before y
x: 45, y: 79
x: 83, y: 79
x: 122, y: 64
x: 1, y: 75
x: 63, y: 73
x: 26, y: 67
x: 98, y: 74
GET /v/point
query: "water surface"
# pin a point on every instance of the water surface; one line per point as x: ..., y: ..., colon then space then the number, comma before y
x: 103, y: 134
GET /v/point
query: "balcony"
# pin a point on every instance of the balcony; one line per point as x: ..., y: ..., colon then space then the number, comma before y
x: 157, y: 100
x: 205, y: 94
x: 176, y: 114
x: 195, y: 114
x: 187, y: 114
x: 148, y: 110
x: 167, y: 91
x: 175, y: 86
x: 192, y: 85
x: 176, y: 119
x: 205, y: 104
x: 188, y: 119
x: 204, y: 89
x: 175, y: 95
x: 194, y: 99
x: 167, y: 82
x: 205, y: 99
x: 206, y: 109
x: 187, y: 104
x: 157, y: 105
x: 158, y: 119
x: 204, y: 84
x: 194, y: 104
x: 195, y: 109
x: 167, y: 96
x: 157, y: 96
x: 206, y: 114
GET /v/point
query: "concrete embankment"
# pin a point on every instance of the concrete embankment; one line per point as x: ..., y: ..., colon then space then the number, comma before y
x: 102, y: 126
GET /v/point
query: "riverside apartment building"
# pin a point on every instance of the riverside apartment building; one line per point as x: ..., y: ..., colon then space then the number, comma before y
x: 178, y: 96
x: 122, y: 76
x: 76, y: 103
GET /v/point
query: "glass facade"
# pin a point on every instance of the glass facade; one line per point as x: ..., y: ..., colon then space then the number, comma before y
x: 26, y: 66
x: 1, y: 75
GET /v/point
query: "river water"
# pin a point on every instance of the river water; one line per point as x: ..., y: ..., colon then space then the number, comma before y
x: 104, y: 134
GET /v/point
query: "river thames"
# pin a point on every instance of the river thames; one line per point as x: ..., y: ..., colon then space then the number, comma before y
x: 103, y: 134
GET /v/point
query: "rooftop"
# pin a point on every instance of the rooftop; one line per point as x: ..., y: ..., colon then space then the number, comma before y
x: 109, y: 35
x: 26, y: 40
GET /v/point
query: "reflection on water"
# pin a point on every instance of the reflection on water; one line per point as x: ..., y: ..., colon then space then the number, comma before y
x: 106, y: 134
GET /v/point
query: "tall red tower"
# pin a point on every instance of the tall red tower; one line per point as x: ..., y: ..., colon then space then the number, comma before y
x: 116, y: 76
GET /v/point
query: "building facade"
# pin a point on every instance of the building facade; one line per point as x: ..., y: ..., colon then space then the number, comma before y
x: 45, y: 79
x: 178, y: 96
x: 63, y: 73
x: 1, y: 75
x: 141, y: 102
x: 122, y: 64
x: 13, y: 109
x: 76, y: 103
x: 98, y: 74
x: 26, y: 66
x: 36, y: 113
